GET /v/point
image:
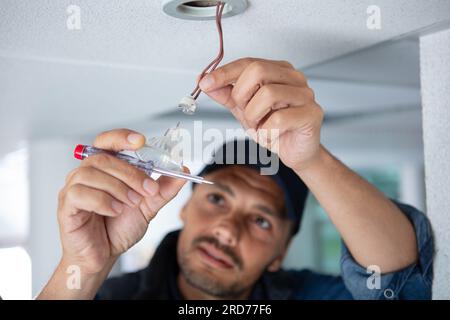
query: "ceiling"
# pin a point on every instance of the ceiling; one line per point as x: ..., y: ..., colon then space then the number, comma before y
x: 136, y: 33
x: 130, y: 62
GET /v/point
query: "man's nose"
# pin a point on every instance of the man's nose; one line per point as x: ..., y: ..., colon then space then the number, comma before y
x: 226, y: 234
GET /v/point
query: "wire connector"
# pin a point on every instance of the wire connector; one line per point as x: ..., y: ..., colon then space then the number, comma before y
x: 188, y: 105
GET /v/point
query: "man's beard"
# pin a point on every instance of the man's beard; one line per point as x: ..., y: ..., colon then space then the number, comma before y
x: 207, y: 283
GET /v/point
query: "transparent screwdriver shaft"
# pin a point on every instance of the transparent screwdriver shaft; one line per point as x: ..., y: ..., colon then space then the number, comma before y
x: 84, y: 151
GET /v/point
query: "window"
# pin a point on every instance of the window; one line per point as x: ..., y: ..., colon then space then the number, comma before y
x: 15, y: 274
x: 387, y: 180
x: 13, y: 198
x: 318, y: 244
x: 15, y: 266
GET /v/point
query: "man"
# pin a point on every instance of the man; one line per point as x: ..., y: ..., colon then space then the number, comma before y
x: 237, y: 231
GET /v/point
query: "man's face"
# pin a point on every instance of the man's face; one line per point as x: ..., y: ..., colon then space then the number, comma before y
x: 233, y: 231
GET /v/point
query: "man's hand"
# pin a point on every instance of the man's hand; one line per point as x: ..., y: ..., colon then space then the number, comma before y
x: 265, y: 95
x: 106, y: 204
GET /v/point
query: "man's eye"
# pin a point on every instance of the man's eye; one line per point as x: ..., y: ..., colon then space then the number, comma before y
x: 262, y: 223
x: 216, y: 199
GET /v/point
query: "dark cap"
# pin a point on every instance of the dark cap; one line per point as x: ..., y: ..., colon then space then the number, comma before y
x: 248, y: 153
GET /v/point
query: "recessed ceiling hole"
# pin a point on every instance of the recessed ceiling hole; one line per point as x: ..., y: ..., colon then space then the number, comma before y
x: 202, y: 9
x: 201, y: 4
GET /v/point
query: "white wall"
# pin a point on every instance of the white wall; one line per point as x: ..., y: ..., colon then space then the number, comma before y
x: 435, y: 78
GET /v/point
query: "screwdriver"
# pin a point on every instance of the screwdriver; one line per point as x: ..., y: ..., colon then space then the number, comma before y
x: 83, y: 151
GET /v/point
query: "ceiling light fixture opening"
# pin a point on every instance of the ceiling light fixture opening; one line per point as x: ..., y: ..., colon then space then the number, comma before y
x: 202, y: 9
x: 201, y: 4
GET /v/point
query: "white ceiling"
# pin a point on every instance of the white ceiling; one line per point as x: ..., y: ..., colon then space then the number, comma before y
x: 137, y: 33
x: 394, y: 63
x: 130, y: 61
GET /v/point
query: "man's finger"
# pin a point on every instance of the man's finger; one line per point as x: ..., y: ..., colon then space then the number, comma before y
x: 292, y: 118
x: 261, y: 73
x: 273, y: 97
x: 119, y: 139
x: 223, y: 97
x: 135, y: 178
x: 168, y: 189
x: 99, y: 180
x: 229, y: 73
x: 82, y: 198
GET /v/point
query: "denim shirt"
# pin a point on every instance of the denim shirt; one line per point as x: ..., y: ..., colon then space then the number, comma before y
x: 413, y: 282
x: 158, y: 280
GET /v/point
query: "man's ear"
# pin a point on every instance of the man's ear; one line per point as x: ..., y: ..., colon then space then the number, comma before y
x: 276, y: 264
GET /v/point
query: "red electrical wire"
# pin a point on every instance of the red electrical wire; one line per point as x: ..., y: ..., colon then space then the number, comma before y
x: 213, y: 65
